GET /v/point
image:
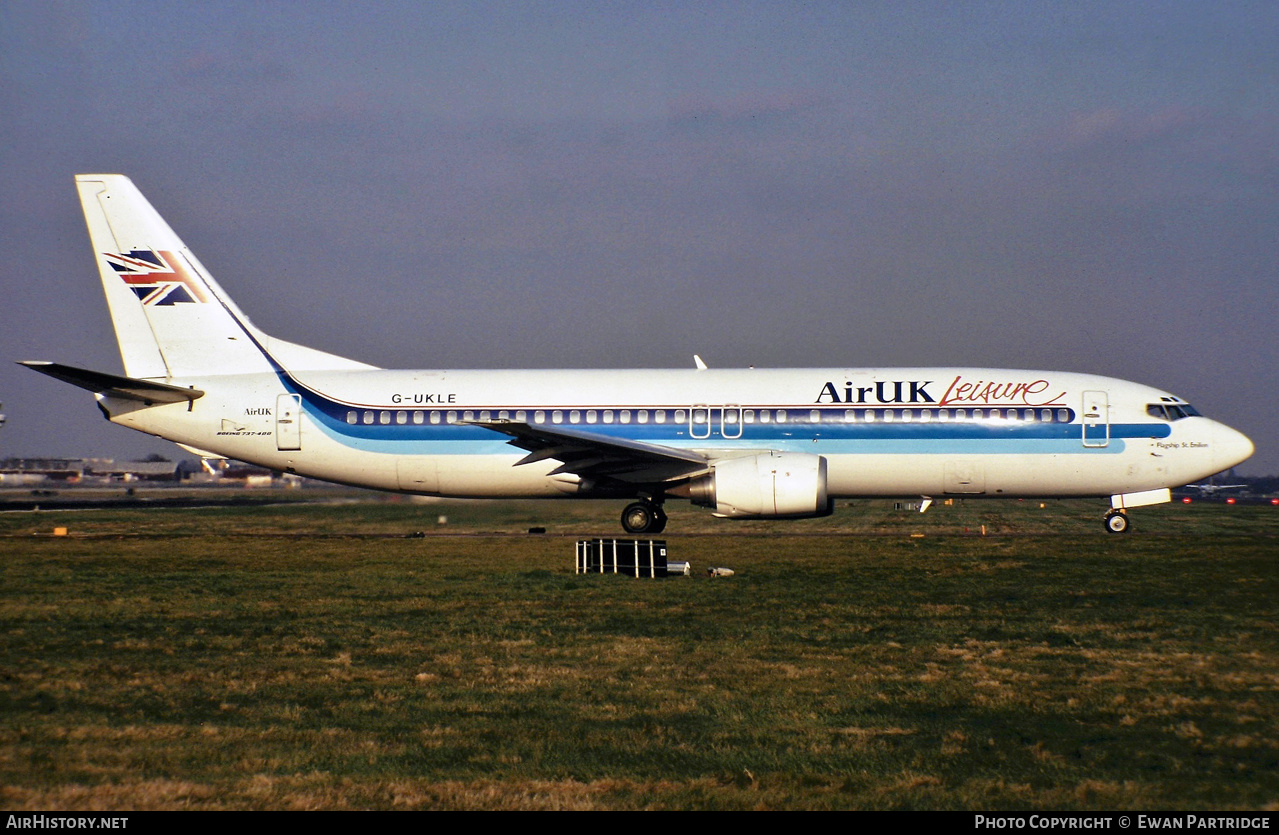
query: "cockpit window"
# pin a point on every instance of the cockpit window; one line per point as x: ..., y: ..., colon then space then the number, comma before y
x: 1171, y: 411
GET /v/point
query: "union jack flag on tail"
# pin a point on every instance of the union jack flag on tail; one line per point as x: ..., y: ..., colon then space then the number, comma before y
x: 156, y: 277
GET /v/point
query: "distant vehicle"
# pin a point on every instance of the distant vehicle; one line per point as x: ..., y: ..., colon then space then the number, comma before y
x: 746, y: 443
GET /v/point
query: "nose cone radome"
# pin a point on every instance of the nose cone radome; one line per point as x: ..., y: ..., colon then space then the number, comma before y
x: 1229, y: 447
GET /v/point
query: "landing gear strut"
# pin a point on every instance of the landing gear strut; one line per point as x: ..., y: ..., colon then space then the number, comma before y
x: 1117, y: 521
x: 644, y: 517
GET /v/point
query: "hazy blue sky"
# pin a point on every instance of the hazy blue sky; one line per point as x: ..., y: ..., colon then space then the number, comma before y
x: 1076, y: 186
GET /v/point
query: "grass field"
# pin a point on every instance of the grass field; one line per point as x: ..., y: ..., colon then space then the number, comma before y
x: 315, y: 656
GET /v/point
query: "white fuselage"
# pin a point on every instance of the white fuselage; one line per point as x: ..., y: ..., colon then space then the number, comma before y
x: 883, y: 432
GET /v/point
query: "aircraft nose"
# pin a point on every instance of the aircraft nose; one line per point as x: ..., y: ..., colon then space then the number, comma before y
x: 1229, y: 447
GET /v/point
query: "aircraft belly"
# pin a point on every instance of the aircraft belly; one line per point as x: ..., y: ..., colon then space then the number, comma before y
x: 492, y: 476
x: 956, y: 474
x: 463, y: 476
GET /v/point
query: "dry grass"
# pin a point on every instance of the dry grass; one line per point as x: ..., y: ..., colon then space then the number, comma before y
x: 166, y: 659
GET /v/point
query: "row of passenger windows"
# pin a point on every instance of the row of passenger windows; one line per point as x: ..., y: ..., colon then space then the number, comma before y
x: 728, y: 416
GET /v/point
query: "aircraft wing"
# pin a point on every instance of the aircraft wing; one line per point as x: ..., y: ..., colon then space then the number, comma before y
x: 114, y: 385
x: 591, y: 455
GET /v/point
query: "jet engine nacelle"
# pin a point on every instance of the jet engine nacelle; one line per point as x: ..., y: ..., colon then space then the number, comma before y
x: 775, y: 484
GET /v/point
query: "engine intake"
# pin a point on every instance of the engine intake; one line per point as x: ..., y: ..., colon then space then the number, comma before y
x: 775, y: 484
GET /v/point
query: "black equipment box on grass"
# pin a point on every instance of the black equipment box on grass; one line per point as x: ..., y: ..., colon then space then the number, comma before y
x: 633, y: 557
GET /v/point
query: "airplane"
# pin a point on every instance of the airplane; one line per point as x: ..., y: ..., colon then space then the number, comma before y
x: 747, y: 443
x: 1211, y: 489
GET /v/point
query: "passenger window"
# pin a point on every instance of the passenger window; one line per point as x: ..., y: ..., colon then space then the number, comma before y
x: 908, y: 415
x: 590, y: 416
x: 781, y: 415
x: 608, y: 415
x: 452, y: 418
x: 575, y: 416
x: 765, y: 416
x: 925, y: 415
x: 401, y: 418
x: 484, y: 415
x: 352, y: 417
x: 384, y: 417
x: 368, y: 417
x: 468, y: 415
x: 624, y: 416
x: 418, y: 417
x: 539, y: 416
x: 435, y: 417
x: 748, y: 416
x: 643, y: 415
x: 814, y: 416
x: 660, y: 416
x: 1063, y: 415
x: 557, y: 416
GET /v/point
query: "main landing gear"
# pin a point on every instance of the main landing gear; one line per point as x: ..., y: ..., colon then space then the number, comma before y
x: 644, y: 517
x: 1117, y: 522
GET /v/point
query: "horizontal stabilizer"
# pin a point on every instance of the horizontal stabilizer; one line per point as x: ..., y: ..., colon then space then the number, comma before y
x: 114, y: 385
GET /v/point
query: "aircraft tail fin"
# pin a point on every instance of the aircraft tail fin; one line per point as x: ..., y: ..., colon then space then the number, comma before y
x: 171, y: 317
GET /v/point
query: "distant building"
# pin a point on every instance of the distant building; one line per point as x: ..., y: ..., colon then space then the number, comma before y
x: 55, y: 469
x: 26, y: 470
x: 142, y: 471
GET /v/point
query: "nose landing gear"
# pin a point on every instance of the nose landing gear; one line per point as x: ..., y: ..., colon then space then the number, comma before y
x: 644, y: 517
